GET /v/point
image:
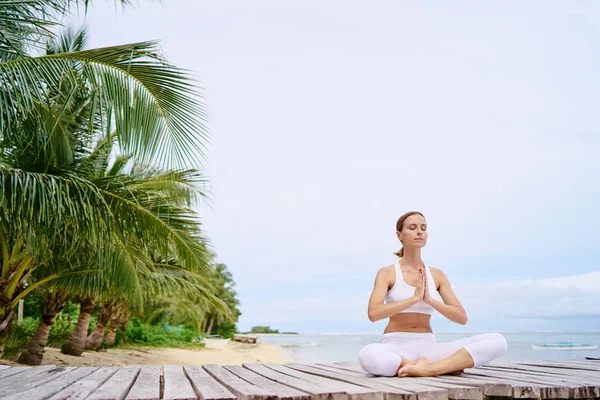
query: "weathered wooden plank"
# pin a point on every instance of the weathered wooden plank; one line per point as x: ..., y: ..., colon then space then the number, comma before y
x: 547, y: 391
x: 423, y: 391
x: 390, y: 392
x: 117, y: 386
x: 12, y: 371
x: 570, y: 374
x: 22, y: 374
x: 578, y: 388
x: 520, y: 390
x: 587, y: 380
x: 45, y: 375
x: 317, y: 392
x: 176, y: 384
x: 3, y: 367
x: 353, y: 391
x: 205, y: 386
x: 85, y: 386
x: 572, y: 383
x: 54, y: 386
x: 454, y: 391
x: 146, y: 385
x: 555, y: 364
x: 282, y: 391
x: 591, y: 376
x: 489, y: 389
x: 242, y: 389
x: 595, y: 361
x: 584, y: 363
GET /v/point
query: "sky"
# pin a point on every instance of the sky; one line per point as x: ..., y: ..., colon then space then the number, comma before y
x: 330, y: 119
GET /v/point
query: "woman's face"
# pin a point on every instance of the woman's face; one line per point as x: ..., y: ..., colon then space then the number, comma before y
x: 414, y: 231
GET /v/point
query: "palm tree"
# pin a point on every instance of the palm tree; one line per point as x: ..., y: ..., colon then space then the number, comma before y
x: 54, y: 301
x: 222, y: 281
x: 76, y: 343
x: 108, y: 308
x: 131, y: 271
x: 129, y: 93
x: 146, y: 219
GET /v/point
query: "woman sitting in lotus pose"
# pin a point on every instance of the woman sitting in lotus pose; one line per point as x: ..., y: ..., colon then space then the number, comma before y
x: 407, y: 293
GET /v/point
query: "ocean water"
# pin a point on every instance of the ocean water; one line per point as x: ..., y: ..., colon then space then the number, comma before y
x: 310, y: 348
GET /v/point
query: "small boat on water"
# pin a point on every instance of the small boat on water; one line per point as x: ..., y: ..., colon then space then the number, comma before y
x: 565, y: 346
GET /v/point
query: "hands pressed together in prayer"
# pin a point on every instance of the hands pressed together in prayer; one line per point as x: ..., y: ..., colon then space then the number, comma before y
x: 422, y: 289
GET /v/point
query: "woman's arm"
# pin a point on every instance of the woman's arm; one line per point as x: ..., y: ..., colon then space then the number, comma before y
x: 451, y: 307
x: 378, y: 310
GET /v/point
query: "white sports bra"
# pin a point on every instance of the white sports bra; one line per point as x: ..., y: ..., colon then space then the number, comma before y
x: 401, y: 291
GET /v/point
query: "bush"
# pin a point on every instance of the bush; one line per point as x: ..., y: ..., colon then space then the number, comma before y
x: 137, y: 332
x: 18, y: 337
x: 20, y: 334
x: 227, y: 330
x: 60, y: 332
x: 154, y: 335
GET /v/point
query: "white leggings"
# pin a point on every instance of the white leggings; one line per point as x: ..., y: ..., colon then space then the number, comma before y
x: 384, y: 358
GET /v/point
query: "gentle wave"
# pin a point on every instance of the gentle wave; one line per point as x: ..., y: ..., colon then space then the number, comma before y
x: 311, y: 344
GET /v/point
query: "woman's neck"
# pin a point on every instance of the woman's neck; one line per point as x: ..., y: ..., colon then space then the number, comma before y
x: 412, y: 258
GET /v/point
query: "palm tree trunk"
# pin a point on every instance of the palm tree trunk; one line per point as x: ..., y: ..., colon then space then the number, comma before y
x: 203, y: 327
x: 76, y: 343
x: 34, y: 352
x: 94, y: 340
x: 122, y: 324
x: 117, y: 321
x: 6, y: 320
x: 111, y: 336
x: 210, y: 326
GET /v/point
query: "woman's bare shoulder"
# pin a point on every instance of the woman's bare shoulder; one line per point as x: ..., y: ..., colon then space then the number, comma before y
x: 386, y: 272
x: 388, y: 269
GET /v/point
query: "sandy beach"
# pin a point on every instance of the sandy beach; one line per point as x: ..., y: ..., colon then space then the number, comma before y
x: 234, y: 353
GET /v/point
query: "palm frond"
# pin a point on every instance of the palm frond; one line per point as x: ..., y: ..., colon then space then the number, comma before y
x: 156, y: 219
x: 66, y: 208
x: 156, y: 108
x: 24, y: 23
x: 70, y: 40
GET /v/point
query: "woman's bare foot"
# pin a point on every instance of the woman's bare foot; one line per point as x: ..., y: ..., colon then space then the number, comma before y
x: 422, y: 369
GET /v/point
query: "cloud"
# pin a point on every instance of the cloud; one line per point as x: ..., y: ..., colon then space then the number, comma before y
x: 563, y: 297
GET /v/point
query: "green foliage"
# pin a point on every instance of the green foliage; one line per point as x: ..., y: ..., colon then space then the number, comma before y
x: 224, y: 286
x: 72, y: 215
x: 227, y: 329
x: 31, y: 305
x: 16, y: 340
x: 139, y: 333
x: 263, y: 329
x: 60, y: 332
x: 94, y: 200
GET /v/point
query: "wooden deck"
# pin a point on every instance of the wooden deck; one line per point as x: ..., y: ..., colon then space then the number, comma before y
x: 522, y: 380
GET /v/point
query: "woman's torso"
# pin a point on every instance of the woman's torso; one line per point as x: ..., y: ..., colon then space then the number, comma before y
x: 408, y: 321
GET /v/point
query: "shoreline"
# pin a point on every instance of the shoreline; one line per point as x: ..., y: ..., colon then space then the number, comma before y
x: 234, y: 353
